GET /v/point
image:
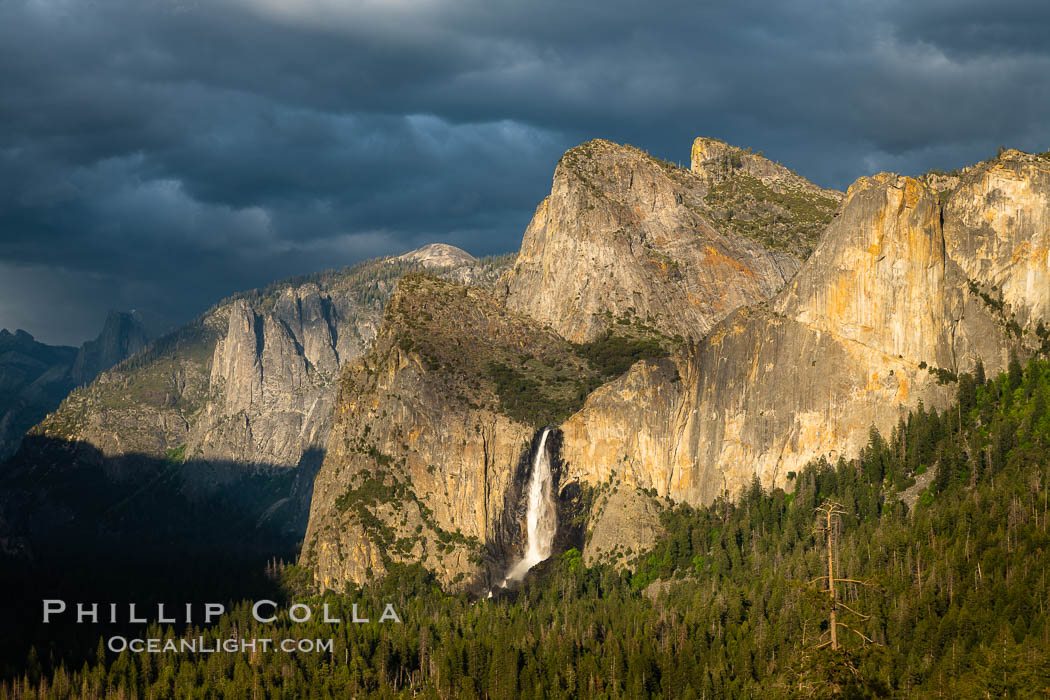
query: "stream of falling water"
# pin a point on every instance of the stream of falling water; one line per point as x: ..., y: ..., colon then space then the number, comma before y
x: 541, y: 519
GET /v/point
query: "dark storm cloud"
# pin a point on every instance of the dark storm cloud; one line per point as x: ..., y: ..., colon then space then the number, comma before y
x: 163, y: 154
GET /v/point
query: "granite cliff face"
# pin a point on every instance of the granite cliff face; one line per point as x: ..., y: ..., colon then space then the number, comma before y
x: 626, y: 234
x: 429, y: 452
x: 890, y: 302
x: 272, y: 380
x: 625, y: 241
x: 271, y: 375
x: 997, y: 227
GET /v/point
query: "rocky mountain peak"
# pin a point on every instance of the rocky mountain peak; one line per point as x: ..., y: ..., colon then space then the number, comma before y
x: 717, y: 161
x: 605, y: 169
x: 123, y: 335
x: 34, y: 377
x: 625, y: 234
x: 18, y: 338
x: 438, y: 255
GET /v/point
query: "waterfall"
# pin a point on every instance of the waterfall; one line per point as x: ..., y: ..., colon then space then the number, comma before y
x: 541, y: 521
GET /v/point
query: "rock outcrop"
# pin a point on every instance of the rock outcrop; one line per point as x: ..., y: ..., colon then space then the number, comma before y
x: 890, y: 305
x: 626, y: 234
x: 997, y: 228
x: 438, y: 255
x: 430, y: 450
x: 754, y: 197
x: 623, y: 523
x: 718, y: 162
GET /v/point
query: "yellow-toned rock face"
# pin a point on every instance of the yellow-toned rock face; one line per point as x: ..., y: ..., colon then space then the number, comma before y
x: 752, y: 401
x: 623, y: 233
x: 888, y: 296
x: 881, y: 277
x: 997, y: 226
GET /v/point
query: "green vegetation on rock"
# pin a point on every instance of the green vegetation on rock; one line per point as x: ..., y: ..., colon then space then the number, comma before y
x: 611, y: 355
x: 532, y: 375
x: 789, y: 219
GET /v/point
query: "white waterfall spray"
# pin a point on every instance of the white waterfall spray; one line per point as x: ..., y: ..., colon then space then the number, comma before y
x: 542, y: 520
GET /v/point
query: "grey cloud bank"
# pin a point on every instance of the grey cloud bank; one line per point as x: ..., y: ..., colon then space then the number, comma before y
x: 163, y: 154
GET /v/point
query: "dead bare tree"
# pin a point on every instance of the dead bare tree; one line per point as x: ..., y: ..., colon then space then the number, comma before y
x: 829, y: 523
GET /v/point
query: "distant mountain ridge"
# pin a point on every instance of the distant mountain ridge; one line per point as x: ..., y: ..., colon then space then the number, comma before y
x: 123, y: 335
x: 35, y: 377
x: 438, y: 255
x: 244, y: 390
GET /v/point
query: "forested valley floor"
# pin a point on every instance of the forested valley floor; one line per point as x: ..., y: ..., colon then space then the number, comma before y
x: 944, y: 537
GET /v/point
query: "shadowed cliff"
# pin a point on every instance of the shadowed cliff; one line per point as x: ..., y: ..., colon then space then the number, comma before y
x: 59, y: 497
x: 82, y: 527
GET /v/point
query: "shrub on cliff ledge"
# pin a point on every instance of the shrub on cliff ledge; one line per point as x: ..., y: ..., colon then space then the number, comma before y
x: 612, y: 355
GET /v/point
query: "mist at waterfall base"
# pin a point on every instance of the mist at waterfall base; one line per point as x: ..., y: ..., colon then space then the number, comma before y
x: 541, y: 519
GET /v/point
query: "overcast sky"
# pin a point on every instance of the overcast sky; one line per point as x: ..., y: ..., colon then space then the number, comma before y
x: 160, y: 155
